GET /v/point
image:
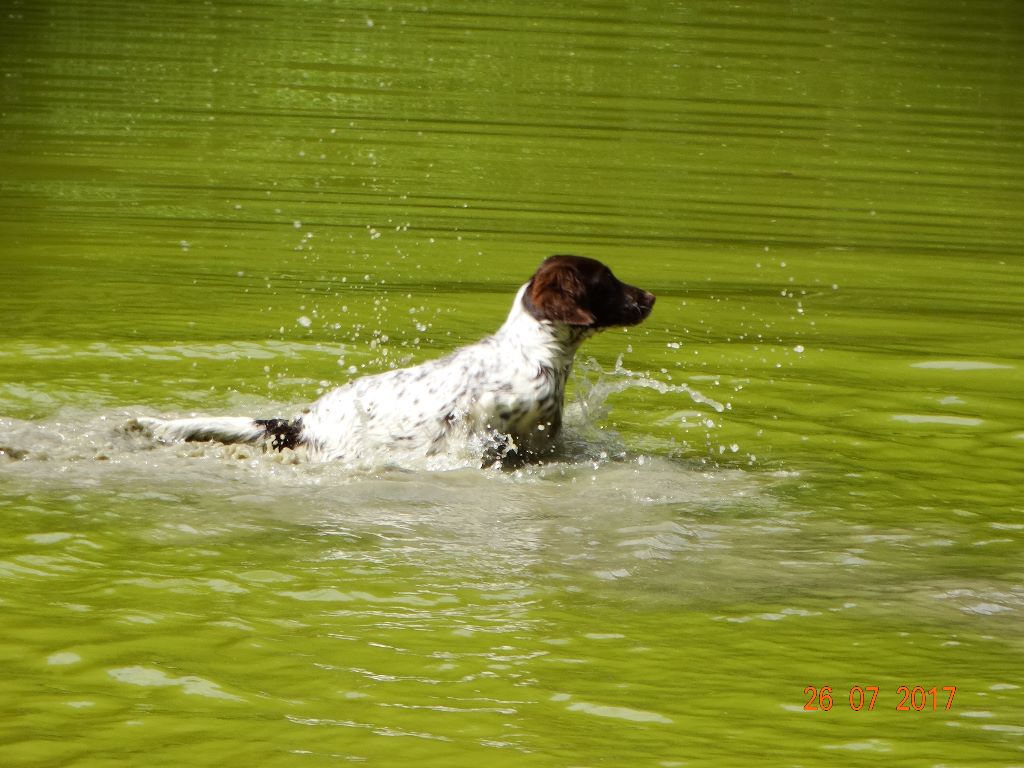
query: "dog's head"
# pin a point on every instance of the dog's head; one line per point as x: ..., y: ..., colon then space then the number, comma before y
x: 578, y: 291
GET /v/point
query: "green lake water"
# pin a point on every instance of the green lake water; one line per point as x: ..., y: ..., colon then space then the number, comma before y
x: 804, y: 470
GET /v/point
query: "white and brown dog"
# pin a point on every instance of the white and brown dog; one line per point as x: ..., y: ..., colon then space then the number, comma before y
x: 502, y: 395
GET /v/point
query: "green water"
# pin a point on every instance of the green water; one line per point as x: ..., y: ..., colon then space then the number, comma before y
x: 226, y: 208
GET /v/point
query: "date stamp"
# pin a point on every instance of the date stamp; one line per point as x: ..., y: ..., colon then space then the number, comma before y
x: 908, y: 698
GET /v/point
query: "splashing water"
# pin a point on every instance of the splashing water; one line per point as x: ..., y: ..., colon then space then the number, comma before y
x: 74, y: 438
x: 621, y: 378
x: 584, y: 437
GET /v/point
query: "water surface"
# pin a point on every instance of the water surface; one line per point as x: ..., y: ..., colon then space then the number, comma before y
x: 803, y: 470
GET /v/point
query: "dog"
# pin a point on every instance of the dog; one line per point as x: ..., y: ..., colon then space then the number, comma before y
x: 503, y: 395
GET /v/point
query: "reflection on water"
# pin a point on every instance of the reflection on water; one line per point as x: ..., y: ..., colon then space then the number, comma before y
x: 803, y: 470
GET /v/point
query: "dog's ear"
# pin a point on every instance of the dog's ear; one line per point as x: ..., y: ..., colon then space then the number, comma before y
x: 556, y: 293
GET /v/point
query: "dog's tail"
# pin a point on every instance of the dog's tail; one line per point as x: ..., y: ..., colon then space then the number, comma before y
x: 222, y: 429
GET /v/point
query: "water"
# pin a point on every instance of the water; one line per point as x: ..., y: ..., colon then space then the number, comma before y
x: 803, y: 470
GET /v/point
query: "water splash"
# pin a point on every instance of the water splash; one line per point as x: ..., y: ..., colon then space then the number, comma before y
x: 594, y: 385
x: 74, y: 437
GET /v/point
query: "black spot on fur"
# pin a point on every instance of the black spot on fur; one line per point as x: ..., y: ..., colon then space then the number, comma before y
x: 283, y: 434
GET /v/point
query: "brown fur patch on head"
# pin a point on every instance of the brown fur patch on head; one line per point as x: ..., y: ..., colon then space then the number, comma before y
x: 579, y: 291
x: 557, y: 292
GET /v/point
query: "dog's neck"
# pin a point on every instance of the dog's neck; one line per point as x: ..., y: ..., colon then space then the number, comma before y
x: 551, y: 344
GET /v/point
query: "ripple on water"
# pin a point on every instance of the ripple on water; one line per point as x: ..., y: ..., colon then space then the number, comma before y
x: 868, y: 745
x: 962, y: 365
x: 63, y: 658
x: 188, y: 684
x: 948, y: 421
x: 611, y: 711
